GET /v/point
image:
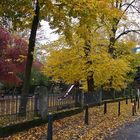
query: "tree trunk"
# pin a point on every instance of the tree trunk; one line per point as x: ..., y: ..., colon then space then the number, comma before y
x: 26, y: 85
x: 90, y: 83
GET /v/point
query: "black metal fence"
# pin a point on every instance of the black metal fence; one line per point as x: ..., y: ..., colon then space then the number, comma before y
x: 9, y: 105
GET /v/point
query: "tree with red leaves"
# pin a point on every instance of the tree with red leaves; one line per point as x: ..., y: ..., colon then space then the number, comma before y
x: 13, y: 52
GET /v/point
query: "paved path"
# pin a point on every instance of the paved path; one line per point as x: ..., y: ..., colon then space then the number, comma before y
x: 128, y: 132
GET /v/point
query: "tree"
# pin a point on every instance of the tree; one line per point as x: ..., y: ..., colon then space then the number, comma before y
x: 13, y: 56
x: 90, y: 24
x: 16, y: 15
x: 87, y: 15
x: 29, y: 61
x: 68, y: 63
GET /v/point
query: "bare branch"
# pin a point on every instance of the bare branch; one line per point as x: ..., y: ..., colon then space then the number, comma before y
x: 126, y: 32
x: 130, y: 4
x: 136, y: 8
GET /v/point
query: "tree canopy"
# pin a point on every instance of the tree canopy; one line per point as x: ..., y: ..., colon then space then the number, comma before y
x: 13, y: 51
x: 97, y: 48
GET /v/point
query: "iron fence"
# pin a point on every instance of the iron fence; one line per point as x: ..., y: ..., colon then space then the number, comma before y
x: 9, y: 105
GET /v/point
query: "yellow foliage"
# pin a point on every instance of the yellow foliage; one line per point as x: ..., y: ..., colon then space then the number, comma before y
x: 70, y: 64
x: 87, y: 50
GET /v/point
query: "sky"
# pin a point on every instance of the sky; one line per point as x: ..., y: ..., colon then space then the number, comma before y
x: 45, y: 34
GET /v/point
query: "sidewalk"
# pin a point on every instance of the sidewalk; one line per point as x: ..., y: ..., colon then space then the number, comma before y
x: 130, y: 131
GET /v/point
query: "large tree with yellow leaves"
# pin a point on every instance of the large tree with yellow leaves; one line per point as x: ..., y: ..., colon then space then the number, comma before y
x: 94, y: 38
x: 70, y: 64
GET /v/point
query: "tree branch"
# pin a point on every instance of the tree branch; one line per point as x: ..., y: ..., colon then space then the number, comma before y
x: 136, y: 8
x: 126, y: 32
x: 129, y: 4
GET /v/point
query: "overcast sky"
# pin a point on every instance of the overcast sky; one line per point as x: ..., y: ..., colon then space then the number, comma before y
x: 45, y: 34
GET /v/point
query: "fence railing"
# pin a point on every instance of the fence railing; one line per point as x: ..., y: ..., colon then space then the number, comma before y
x: 9, y: 105
x: 56, y: 103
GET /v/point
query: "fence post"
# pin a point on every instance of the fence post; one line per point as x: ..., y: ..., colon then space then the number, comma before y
x: 50, y: 127
x: 86, y: 115
x: 119, y: 108
x: 105, y: 107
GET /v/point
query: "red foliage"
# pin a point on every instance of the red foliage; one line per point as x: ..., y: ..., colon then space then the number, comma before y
x: 13, y: 52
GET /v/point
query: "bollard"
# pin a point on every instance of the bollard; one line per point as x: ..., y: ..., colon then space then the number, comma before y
x: 105, y: 107
x: 50, y: 128
x: 126, y: 100
x: 86, y: 115
x: 133, y: 112
x: 119, y: 108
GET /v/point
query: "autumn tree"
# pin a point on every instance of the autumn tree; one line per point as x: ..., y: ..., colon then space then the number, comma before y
x: 13, y: 56
x: 93, y: 19
x: 68, y: 63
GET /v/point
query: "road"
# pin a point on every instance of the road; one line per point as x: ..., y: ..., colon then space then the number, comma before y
x: 130, y: 131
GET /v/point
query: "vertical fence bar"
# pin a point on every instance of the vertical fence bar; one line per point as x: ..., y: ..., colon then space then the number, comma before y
x: 119, y: 108
x: 131, y: 98
x: 4, y: 105
x: 0, y: 106
x: 135, y: 104
x: 86, y: 115
x: 136, y: 98
x: 53, y: 100
x: 10, y: 108
x: 16, y: 105
x: 138, y: 103
x: 33, y: 104
x: 48, y: 100
x: 36, y: 105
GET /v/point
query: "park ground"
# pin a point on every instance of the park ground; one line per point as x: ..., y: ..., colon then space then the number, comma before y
x: 101, y: 126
